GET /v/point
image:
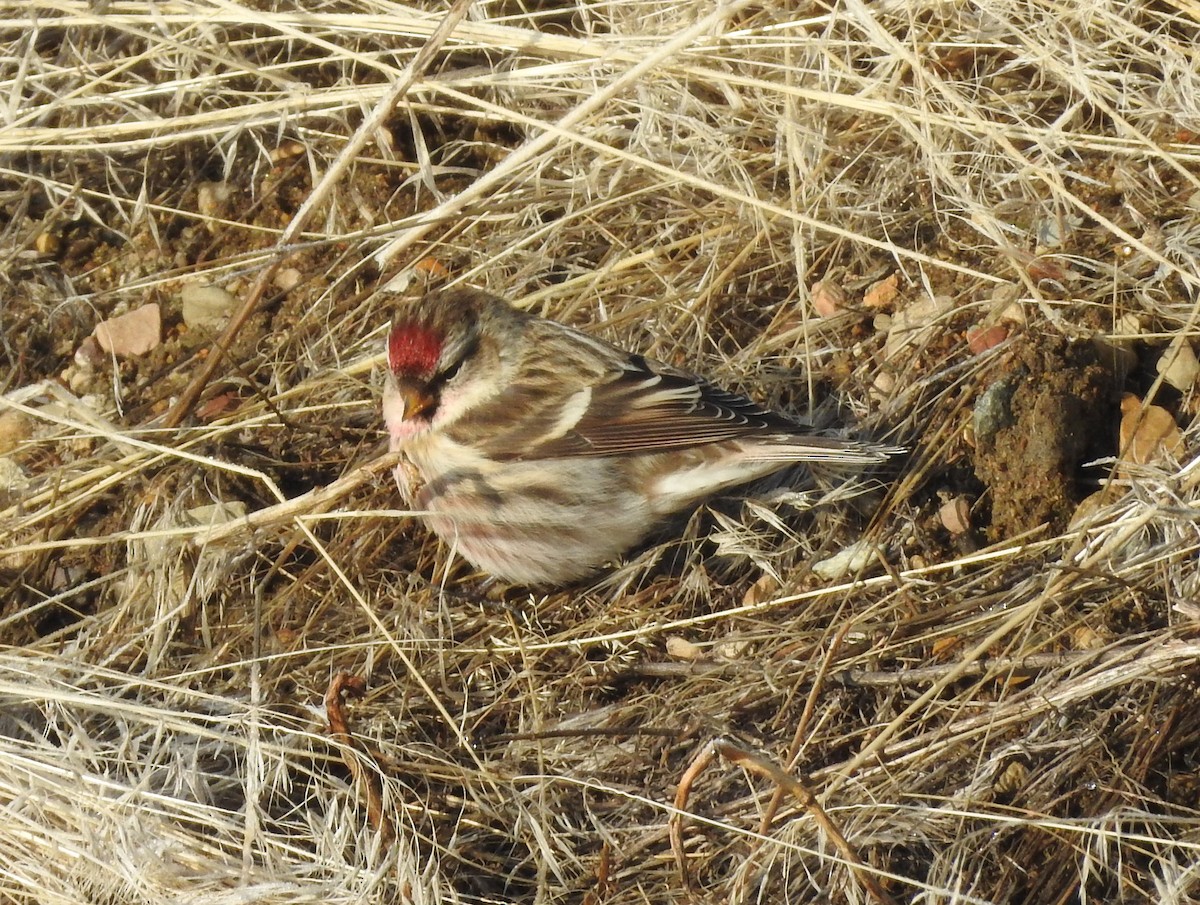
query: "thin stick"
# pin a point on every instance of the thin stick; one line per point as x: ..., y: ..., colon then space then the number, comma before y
x: 344, y: 685
x: 740, y: 756
x: 317, y: 500
x: 370, y: 127
x: 755, y: 763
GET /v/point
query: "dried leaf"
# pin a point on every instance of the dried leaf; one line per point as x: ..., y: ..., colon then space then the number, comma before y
x: 882, y: 293
x: 1148, y: 432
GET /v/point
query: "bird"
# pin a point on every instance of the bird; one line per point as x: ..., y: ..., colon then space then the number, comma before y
x: 540, y: 453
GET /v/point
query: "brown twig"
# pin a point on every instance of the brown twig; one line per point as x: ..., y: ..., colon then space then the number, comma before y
x: 682, y: 793
x: 314, y: 502
x: 342, y: 686
x: 599, y: 892
x: 747, y: 760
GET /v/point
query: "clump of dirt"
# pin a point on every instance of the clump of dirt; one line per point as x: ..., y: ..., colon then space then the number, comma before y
x: 1053, y: 408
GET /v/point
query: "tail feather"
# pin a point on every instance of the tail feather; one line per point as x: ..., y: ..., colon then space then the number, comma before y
x: 824, y: 449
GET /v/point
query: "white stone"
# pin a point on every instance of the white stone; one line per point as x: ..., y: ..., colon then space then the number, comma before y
x: 207, y: 307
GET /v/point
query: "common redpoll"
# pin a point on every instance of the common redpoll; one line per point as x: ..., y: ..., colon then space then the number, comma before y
x: 539, y: 453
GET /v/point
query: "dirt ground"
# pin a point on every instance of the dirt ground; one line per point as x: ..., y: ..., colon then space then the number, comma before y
x: 966, y: 676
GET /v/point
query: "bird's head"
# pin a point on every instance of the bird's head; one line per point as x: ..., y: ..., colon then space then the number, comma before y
x: 443, y: 356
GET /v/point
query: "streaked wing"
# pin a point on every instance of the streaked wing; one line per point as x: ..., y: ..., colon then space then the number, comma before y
x: 579, y: 396
x: 647, y: 407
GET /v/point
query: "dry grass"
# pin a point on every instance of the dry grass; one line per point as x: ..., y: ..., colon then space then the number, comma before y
x: 1001, y: 715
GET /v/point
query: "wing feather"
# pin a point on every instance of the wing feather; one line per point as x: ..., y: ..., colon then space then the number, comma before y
x: 642, y: 410
x: 617, y: 403
x: 640, y: 406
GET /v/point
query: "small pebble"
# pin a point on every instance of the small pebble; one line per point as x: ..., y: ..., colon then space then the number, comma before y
x: 828, y: 298
x: 1013, y: 313
x: 132, y: 334
x: 1127, y: 327
x: 15, y: 429
x: 288, y: 279
x: 732, y: 650
x: 955, y: 515
x: 286, y: 150
x: 980, y: 339
x: 213, y: 198
x: 89, y: 355
x: 993, y: 410
x: 883, y: 385
x: 679, y: 648
x: 1178, y: 364
x: 206, y: 307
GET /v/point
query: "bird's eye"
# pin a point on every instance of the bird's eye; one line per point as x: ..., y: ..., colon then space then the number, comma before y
x: 450, y: 372
x: 461, y: 354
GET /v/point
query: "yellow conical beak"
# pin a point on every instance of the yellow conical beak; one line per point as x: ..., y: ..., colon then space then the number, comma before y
x: 414, y: 396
